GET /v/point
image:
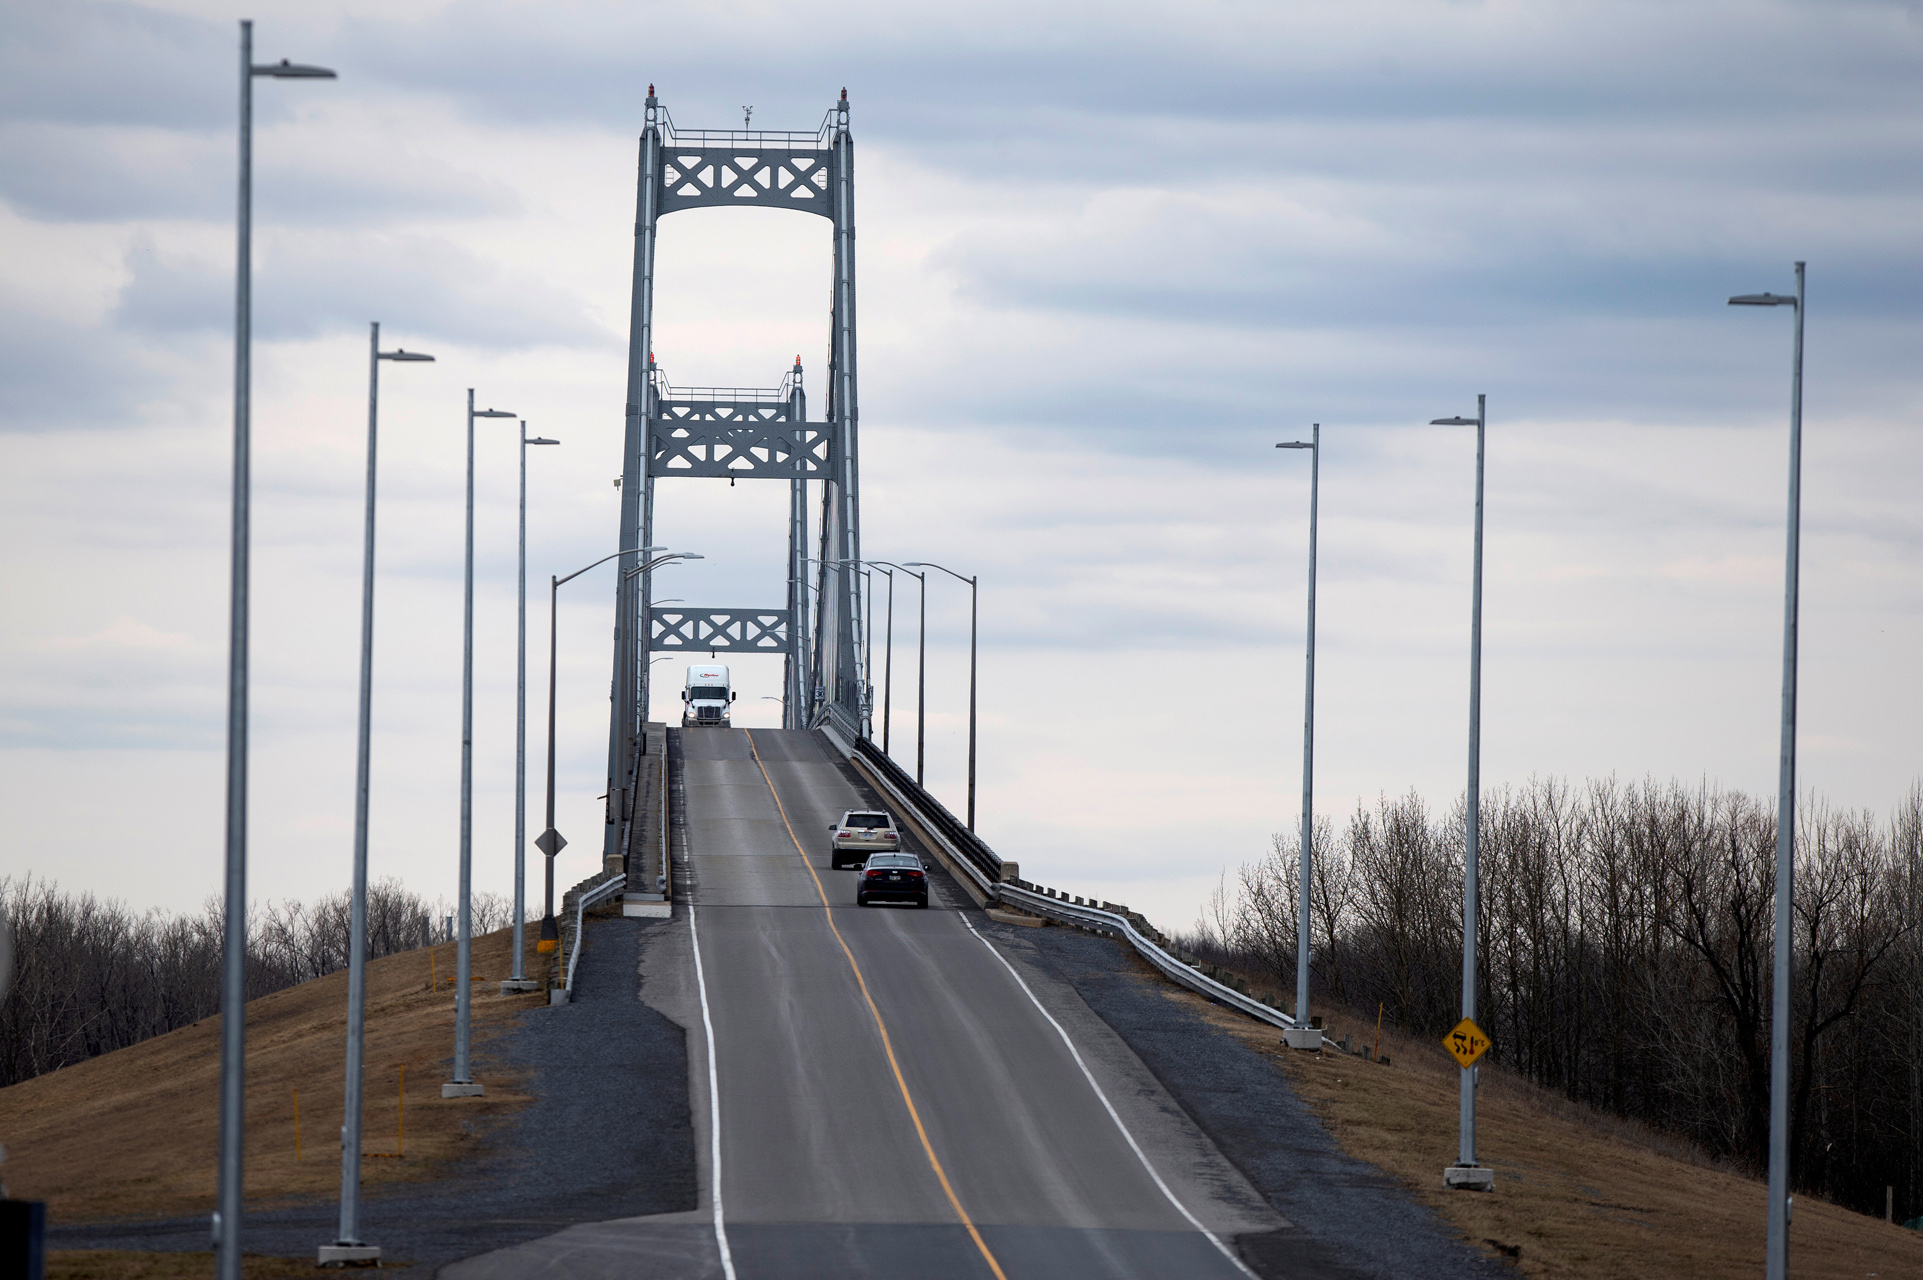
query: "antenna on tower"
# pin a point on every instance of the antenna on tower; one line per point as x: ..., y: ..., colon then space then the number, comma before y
x: 747, y: 114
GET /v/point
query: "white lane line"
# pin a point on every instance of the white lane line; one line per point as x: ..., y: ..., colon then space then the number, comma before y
x: 714, y: 1099
x: 1089, y: 1076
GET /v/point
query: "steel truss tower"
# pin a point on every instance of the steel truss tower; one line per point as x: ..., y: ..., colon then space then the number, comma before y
x: 743, y: 434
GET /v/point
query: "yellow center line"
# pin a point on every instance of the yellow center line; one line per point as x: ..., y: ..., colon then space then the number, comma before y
x: 887, y: 1044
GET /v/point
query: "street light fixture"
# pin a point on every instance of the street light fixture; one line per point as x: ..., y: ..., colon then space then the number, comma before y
x: 974, y: 600
x: 1310, y: 1038
x: 551, y: 842
x: 1776, y: 1247
x: 463, y: 1085
x: 348, y: 1237
x: 1481, y: 1179
x: 518, y: 980
x: 233, y: 976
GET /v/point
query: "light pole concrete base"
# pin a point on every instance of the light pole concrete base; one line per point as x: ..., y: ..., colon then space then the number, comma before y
x: 557, y: 995
x: 462, y: 1089
x: 517, y: 986
x: 1469, y: 1177
x: 349, y: 1255
x: 1309, y: 1038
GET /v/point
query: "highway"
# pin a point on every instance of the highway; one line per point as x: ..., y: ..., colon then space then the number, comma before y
x: 892, y: 1097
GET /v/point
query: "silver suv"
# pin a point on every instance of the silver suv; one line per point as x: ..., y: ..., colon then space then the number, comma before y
x: 860, y: 833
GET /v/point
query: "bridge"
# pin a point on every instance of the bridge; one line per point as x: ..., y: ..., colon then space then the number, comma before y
x: 887, y: 1092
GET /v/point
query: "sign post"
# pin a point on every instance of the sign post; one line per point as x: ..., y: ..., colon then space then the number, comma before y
x: 1466, y: 1042
x: 550, y: 842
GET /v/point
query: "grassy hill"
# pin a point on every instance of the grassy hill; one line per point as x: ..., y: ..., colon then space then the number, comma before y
x: 1577, y: 1193
x: 132, y: 1134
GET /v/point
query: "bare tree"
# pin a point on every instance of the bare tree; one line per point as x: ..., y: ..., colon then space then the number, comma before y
x: 1625, y: 935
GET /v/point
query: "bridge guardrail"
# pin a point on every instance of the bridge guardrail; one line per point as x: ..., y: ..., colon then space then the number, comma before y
x: 983, y: 864
x: 986, y: 868
x: 593, y: 897
x: 1102, y: 921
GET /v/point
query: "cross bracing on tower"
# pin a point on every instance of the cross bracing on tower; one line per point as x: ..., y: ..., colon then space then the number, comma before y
x: 744, y: 433
x: 737, y: 432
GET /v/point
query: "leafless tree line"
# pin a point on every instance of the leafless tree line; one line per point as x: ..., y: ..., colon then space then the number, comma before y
x: 91, y: 976
x: 1625, y: 935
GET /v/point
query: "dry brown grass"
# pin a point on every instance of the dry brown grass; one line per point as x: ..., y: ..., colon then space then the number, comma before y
x: 1577, y: 1194
x: 132, y: 1134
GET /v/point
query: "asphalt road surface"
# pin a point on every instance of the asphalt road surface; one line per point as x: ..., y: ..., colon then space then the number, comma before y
x: 878, y: 1091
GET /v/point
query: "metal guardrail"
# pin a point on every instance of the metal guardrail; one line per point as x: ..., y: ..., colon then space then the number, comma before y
x: 982, y: 865
x: 747, y: 138
x: 663, y: 876
x: 1187, y: 975
x: 593, y: 897
x: 903, y: 801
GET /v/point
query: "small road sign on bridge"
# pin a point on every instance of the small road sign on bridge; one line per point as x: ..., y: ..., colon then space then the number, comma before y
x: 1466, y: 1043
x: 551, y: 842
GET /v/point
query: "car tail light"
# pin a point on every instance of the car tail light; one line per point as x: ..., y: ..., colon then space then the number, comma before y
x: 873, y: 874
x: 914, y: 875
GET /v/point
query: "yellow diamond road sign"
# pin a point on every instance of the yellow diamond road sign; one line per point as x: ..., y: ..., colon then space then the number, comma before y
x: 1466, y: 1042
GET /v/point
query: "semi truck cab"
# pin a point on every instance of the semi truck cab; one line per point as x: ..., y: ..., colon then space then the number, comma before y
x: 707, y: 695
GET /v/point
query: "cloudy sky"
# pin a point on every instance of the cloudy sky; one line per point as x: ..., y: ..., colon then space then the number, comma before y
x: 1110, y: 253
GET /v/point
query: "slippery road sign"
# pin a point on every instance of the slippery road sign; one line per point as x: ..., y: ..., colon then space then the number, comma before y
x: 1466, y: 1043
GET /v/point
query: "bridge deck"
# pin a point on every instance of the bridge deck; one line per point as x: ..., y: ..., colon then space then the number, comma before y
x: 823, y: 1169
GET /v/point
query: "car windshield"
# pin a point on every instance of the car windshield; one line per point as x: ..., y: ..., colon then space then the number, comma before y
x: 708, y: 693
x: 865, y: 820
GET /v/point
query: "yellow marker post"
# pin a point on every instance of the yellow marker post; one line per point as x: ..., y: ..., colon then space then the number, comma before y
x: 400, y: 1116
x: 1377, y: 1054
x: 297, y: 1126
x: 1466, y: 1043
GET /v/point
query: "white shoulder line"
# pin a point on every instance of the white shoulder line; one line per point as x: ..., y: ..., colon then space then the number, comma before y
x: 714, y: 1099
x: 1089, y: 1076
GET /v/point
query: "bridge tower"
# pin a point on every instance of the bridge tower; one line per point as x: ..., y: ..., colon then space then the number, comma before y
x: 744, y: 433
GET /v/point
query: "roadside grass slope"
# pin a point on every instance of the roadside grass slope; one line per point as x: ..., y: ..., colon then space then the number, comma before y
x: 1578, y: 1193
x: 132, y: 1134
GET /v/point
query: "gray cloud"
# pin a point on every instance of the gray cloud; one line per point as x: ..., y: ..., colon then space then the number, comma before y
x: 1109, y: 256
x: 91, y: 63
x: 60, y: 373
x: 65, y: 172
x: 308, y: 285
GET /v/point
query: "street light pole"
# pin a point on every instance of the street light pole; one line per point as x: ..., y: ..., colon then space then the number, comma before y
x: 888, y: 664
x: 463, y: 1085
x: 1466, y: 1138
x: 518, y: 980
x: 921, y: 663
x: 1776, y: 1248
x: 233, y: 977
x: 348, y: 1238
x: 974, y: 600
x: 551, y: 842
x: 868, y: 651
x: 921, y: 680
x: 1304, y: 879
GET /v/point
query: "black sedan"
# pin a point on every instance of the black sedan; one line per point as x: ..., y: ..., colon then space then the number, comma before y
x: 892, y: 877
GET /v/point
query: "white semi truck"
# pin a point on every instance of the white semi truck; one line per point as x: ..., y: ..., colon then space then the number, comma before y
x: 706, y: 697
